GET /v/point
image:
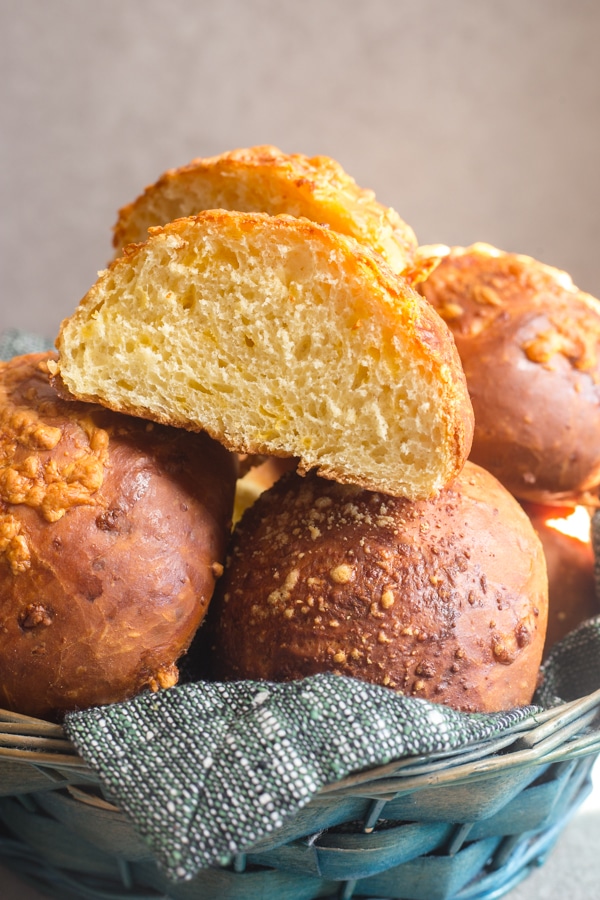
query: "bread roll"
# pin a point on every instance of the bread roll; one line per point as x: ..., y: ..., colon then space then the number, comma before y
x: 443, y: 599
x: 570, y: 562
x: 263, y: 179
x: 529, y: 342
x: 278, y: 337
x: 112, y: 534
x: 258, y: 478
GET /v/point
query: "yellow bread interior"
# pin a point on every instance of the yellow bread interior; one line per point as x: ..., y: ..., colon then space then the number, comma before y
x: 277, y: 336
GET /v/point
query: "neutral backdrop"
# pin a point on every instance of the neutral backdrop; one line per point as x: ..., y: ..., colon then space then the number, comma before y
x: 475, y: 120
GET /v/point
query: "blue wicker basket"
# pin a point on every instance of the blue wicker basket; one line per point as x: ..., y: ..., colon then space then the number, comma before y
x: 465, y: 825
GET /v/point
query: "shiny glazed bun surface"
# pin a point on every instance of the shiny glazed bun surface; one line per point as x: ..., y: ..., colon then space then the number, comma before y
x: 112, y: 534
x: 529, y: 342
x: 443, y: 599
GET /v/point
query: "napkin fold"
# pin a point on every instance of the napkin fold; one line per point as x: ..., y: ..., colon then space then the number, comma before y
x: 206, y: 770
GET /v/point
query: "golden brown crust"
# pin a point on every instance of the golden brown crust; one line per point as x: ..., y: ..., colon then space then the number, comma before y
x: 322, y: 318
x: 443, y: 599
x: 529, y: 342
x: 261, y: 473
x: 263, y: 179
x: 570, y: 562
x: 112, y: 534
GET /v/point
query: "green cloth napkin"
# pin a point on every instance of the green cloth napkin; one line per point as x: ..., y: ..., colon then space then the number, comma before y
x: 15, y: 342
x: 205, y: 770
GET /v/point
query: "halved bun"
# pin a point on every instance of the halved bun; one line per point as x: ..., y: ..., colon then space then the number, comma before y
x: 263, y: 179
x: 278, y: 337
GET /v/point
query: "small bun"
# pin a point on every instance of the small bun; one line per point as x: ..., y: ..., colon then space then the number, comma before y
x: 112, y: 535
x: 570, y: 562
x: 263, y: 179
x: 529, y: 342
x: 260, y: 476
x: 278, y: 337
x: 443, y: 599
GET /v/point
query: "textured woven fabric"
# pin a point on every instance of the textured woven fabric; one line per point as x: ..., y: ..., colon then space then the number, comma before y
x: 206, y: 770
x: 13, y: 343
x: 572, y: 669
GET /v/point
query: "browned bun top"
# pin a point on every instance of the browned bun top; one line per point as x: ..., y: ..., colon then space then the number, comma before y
x: 529, y: 342
x: 264, y: 179
x: 112, y: 534
x: 444, y: 599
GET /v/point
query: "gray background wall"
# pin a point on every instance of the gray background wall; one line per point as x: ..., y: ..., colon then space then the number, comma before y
x: 476, y: 120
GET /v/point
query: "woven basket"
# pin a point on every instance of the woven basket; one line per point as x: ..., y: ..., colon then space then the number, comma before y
x: 462, y: 825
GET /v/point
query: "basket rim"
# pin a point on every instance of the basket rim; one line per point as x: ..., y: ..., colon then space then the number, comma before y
x: 564, y: 732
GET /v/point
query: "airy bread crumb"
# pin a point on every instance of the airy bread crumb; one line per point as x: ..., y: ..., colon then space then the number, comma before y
x: 281, y: 337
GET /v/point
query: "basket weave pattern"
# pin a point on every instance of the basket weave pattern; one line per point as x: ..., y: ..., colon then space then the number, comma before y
x: 464, y: 825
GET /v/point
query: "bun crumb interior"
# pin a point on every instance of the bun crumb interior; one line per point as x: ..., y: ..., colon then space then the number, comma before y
x: 281, y: 337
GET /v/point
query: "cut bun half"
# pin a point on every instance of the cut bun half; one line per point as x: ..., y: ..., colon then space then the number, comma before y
x: 281, y: 337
